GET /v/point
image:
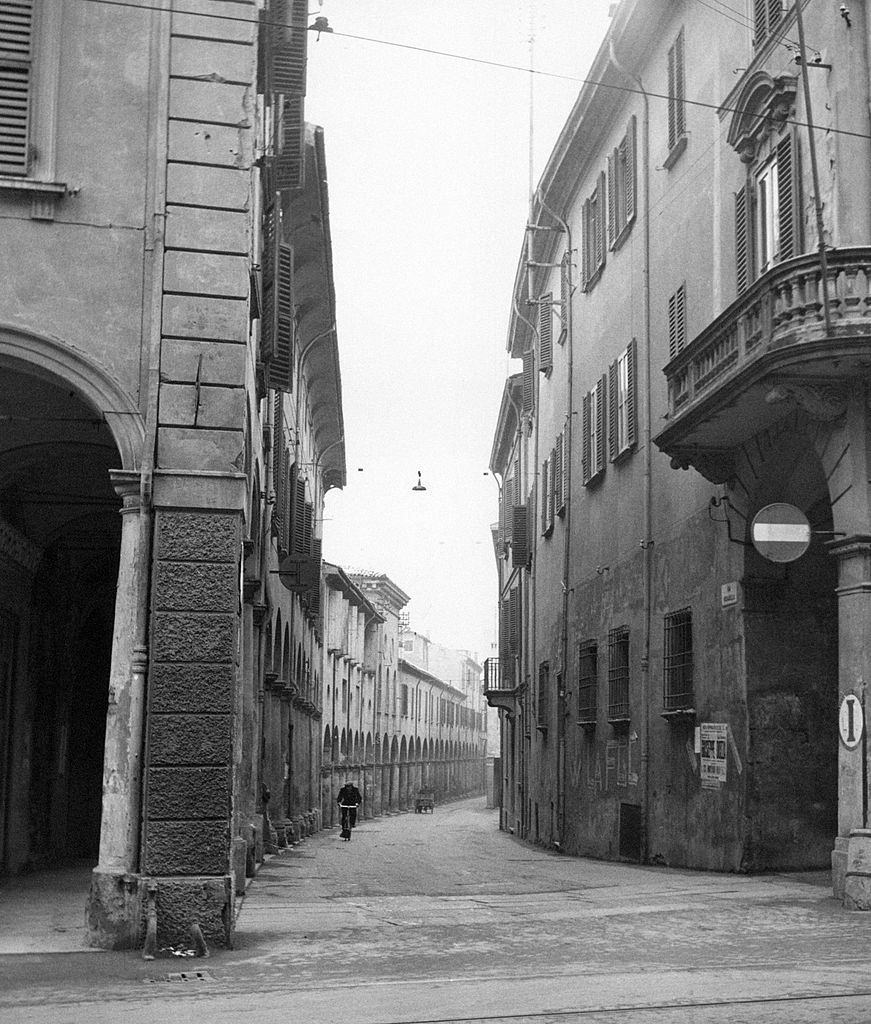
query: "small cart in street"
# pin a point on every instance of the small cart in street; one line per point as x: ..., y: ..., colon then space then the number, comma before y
x: 424, y: 801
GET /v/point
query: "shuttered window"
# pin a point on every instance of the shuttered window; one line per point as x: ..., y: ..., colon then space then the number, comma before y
x: 545, y: 332
x: 528, y: 381
x: 588, y: 680
x: 622, y: 429
x: 546, y: 502
x: 280, y: 365
x: 520, y: 537
x: 270, y: 233
x: 767, y: 15
x: 543, y: 702
x: 16, y: 49
x: 768, y: 214
x: 594, y: 431
x: 593, y: 235
x: 677, y: 321
x: 505, y: 507
x: 565, y: 295
x: 514, y: 621
x: 677, y: 124
x: 559, y: 473
x: 278, y: 523
x: 621, y: 187
x: 283, y: 44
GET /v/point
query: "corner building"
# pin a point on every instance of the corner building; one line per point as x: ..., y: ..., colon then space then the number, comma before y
x: 667, y: 694
x: 171, y: 409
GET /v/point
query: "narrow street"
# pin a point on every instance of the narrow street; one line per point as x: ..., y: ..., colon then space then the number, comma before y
x: 443, y: 918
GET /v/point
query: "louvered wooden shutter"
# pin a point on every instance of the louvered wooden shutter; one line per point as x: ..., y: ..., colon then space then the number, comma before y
x: 268, y: 263
x: 631, y: 177
x: 677, y: 322
x: 586, y: 452
x: 289, y: 23
x: 743, y: 239
x: 612, y: 198
x: 507, y: 506
x: 600, y: 416
x: 16, y: 47
x: 631, y: 391
x: 545, y: 332
x: 676, y: 91
x: 298, y: 523
x: 559, y: 499
x: 528, y: 381
x: 289, y: 148
x: 586, y: 245
x: 280, y: 367
x: 504, y: 628
x: 613, y: 439
x: 600, y: 221
x: 551, y: 488
x: 519, y: 537
x: 277, y: 465
x: 565, y: 294
x: 307, y: 528
x: 314, y: 593
x: 544, y: 496
x: 514, y: 621
x: 788, y: 191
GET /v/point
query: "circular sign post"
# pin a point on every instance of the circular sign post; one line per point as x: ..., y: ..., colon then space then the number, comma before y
x: 851, y: 721
x: 780, y: 532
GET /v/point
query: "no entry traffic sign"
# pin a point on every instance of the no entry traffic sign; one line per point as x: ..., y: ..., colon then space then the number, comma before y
x: 780, y: 532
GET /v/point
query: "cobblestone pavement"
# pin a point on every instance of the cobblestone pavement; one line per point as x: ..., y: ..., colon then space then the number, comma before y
x: 443, y: 918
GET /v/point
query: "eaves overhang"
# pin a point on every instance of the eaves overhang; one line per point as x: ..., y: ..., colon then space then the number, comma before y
x: 507, y: 423
x: 338, y: 580
x: 307, y: 213
x: 421, y: 673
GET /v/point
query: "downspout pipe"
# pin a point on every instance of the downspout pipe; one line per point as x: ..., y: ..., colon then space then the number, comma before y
x: 567, y: 463
x: 647, y: 496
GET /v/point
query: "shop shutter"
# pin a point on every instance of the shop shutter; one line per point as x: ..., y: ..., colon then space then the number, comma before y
x: 743, y: 240
x: 16, y: 46
x: 788, y: 191
x: 545, y: 332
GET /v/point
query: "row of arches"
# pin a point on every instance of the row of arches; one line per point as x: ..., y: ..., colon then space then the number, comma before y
x: 287, y: 662
x: 348, y: 746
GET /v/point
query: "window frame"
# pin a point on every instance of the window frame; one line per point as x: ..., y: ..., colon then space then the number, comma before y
x: 594, y: 431
x: 622, y: 187
x: 593, y: 229
x: 622, y: 390
x: 619, y: 663
x: 677, y: 660
x: 676, y: 127
x: 588, y: 682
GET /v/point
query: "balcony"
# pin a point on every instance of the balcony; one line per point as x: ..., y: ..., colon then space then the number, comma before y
x: 766, y: 353
x: 498, y: 688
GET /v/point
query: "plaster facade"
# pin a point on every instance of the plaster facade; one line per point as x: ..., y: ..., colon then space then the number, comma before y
x: 171, y: 400
x: 667, y: 694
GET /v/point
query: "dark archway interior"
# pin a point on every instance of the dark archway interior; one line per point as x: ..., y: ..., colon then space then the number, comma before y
x: 59, y: 515
x: 791, y: 633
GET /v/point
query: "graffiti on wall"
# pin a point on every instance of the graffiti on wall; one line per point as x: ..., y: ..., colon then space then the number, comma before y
x: 607, y: 765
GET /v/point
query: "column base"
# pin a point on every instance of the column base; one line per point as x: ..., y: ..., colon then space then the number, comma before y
x: 839, y: 866
x: 857, y: 880
x: 206, y: 900
x: 115, y: 912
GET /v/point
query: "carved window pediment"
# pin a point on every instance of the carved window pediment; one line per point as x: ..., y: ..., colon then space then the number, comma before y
x: 761, y: 108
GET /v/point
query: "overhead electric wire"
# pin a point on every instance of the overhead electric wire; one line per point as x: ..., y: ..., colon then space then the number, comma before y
x: 483, y: 61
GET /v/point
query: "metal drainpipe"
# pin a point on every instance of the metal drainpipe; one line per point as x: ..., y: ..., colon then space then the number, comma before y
x: 531, y: 583
x: 647, y: 542
x: 567, y: 463
x: 155, y: 219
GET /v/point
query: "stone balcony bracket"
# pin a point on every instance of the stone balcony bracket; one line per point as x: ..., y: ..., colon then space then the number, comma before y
x: 504, y: 699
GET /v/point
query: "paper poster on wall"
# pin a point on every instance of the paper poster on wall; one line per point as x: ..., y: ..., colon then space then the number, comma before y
x: 714, y: 736
x: 623, y: 764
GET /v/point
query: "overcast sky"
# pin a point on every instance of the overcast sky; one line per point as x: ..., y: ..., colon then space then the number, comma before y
x: 428, y: 170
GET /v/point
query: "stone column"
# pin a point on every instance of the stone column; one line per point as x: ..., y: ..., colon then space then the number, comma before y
x: 376, y: 790
x: 113, y: 915
x: 853, y: 883
x: 368, y: 791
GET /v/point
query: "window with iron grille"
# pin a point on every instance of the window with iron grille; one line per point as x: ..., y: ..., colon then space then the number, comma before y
x: 543, y: 694
x: 678, y: 674
x: 618, y: 673
x: 588, y: 680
